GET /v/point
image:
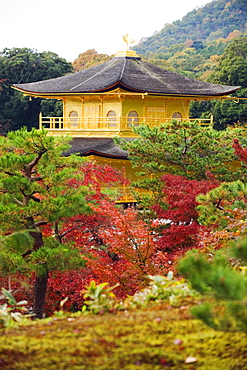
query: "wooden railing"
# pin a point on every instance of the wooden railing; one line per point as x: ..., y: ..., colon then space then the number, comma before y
x: 103, y: 126
x: 127, y: 196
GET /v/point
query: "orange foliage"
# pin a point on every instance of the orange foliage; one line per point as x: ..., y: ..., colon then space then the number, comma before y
x: 89, y: 59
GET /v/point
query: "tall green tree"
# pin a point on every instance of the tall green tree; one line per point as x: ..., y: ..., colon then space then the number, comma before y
x: 35, y: 191
x: 231, y: 70
x: 21, y: 65
x: 184, y: 149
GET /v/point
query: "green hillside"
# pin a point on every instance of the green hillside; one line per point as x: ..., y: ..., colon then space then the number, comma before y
x: 217, y: 19
x: 207, y: 42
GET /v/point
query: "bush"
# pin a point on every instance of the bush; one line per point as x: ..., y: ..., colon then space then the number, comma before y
x: 224, y: 287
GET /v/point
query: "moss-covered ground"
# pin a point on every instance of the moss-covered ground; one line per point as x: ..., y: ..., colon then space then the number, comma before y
x: 151, y: 339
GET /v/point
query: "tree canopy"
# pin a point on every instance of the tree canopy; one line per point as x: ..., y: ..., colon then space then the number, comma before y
x: 184, y: 149
x: 89, y: 59
x: 213, y: 21
x: 20, y: 65
x: 231, y: 70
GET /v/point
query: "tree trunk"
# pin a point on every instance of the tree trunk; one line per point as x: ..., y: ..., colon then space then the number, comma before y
x: 39, y: 294
x: 41, y: 280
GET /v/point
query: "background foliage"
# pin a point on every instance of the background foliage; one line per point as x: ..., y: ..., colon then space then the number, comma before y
x: 20, y: 65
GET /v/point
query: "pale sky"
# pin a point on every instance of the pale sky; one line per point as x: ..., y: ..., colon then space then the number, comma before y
x: 69, y: 28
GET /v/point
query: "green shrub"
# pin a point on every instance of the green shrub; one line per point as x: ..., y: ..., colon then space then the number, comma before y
x: 164, y: 288
x: 224, y: 287
x: 100, y: 298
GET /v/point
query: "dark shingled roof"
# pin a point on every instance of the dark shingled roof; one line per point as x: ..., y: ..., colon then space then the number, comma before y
x: 129, y: 73
x: 102, y: 147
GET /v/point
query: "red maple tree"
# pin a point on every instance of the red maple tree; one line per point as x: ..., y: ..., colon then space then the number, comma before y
x: 240, y: 152
x: 117, y: 244
x: 179, y: 221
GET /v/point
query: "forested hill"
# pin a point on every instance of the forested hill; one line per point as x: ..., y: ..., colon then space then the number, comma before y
x: 215, y: 20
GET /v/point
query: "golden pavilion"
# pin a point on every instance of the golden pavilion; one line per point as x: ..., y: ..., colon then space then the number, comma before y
x: 106, y: 100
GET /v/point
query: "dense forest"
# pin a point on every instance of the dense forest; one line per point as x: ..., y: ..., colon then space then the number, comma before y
x: 20, y: 65
x: 211, y: 22
x: 192, y: 45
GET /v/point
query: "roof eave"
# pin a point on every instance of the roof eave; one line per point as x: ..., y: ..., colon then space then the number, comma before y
x: 108, y: 89
x: 104, y: 155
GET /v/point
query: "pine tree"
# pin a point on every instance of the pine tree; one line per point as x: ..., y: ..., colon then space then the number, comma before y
x: 223, y: 286
x: 35, y: 191
x: 222, y: 279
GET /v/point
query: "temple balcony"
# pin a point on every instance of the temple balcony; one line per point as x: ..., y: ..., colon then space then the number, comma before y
x: 104, y: 126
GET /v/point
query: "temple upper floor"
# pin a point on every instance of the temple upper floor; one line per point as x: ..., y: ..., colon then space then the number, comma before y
x: 110, y: 98
x: 115, y: 113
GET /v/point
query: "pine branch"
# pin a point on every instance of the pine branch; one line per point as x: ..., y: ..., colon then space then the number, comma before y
x: 9, y: 173
x: 28, y: 252
x: 185, y: 144
x: 29, y: 167
x: 17, y: 201
x: 217, y: 205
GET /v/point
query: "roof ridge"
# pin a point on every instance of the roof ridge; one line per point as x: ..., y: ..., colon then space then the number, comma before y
x: 96, y: 74
x: 122, y: 72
